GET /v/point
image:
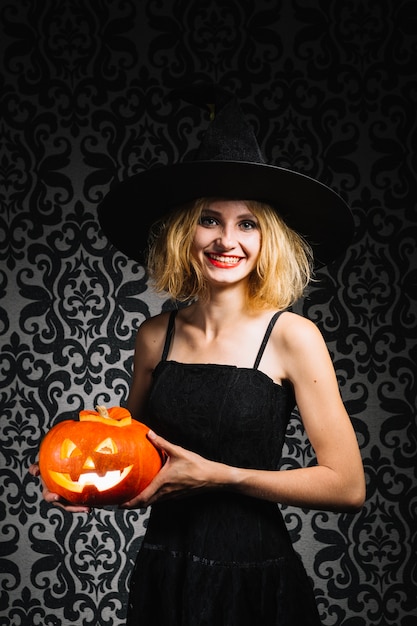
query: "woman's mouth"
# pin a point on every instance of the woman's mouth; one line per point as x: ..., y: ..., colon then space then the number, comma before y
x: 224, y: 261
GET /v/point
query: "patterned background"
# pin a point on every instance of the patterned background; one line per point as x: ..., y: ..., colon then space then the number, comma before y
x: 330, y: 88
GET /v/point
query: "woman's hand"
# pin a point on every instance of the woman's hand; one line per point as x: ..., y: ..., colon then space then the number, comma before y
x: 183, y: 473
x: 54, y: 498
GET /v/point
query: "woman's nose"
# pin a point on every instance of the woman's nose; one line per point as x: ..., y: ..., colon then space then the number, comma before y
x: 225, y: 239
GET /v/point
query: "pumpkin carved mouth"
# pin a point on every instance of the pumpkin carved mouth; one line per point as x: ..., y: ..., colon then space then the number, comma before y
x: 91, y: 479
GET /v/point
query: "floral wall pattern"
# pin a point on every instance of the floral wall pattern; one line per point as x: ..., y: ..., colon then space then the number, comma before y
x: 330, y: 88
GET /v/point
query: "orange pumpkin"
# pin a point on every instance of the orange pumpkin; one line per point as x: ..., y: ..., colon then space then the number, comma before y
x: 104, y: 458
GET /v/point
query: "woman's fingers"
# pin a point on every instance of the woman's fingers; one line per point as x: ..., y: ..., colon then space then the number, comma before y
x: 34, y: 469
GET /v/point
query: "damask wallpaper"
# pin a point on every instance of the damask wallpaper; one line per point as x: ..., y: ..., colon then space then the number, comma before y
x: 330, y: 88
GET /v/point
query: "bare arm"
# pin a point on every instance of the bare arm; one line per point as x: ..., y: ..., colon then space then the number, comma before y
x: 337, y: 481
x: 148, y: 350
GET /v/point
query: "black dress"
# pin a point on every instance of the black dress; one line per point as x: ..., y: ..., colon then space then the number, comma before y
x: 219, y: 558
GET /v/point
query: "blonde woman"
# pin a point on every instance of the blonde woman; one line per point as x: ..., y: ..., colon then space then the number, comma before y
x: 216, y: 381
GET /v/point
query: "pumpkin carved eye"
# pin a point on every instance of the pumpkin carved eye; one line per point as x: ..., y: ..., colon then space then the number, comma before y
x: 108, y: 446
x: 69, y: 449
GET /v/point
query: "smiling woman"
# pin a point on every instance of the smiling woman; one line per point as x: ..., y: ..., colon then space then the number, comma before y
x: 174, y: 268
x: 217, y: 380
x: 227, y: 237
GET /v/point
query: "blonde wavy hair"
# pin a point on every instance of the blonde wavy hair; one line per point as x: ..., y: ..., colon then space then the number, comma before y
x: 282, y: 273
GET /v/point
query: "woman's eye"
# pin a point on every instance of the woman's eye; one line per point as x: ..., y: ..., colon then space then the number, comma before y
x: 248, y: 225
x: 206, y: 220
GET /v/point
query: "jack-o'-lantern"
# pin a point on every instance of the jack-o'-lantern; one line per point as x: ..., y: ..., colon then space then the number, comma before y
x: 104, y: 458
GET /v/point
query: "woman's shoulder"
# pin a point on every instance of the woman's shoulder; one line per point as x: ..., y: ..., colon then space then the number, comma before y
x: 155, y: 323
x: 295, y: 330
x: 152, y: 332
x: 299, y: 346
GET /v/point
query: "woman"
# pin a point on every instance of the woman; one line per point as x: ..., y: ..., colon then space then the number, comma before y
x: 216, y: 380
x: 215, y: 530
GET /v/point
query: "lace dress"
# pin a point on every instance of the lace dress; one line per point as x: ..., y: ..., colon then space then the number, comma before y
x: 219, y: 558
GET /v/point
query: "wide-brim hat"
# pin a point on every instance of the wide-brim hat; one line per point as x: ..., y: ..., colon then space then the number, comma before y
x: 229, y: 164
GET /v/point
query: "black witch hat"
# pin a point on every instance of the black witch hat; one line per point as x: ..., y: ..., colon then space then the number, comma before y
x: 228, y: 165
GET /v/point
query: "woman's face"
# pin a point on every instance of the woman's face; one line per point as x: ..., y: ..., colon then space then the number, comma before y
x: 227, y: 241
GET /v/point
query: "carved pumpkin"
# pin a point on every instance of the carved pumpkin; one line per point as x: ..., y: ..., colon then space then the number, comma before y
x: 104, y: 458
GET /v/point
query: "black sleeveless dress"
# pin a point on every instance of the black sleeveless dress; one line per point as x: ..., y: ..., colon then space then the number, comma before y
x: 219, y: 558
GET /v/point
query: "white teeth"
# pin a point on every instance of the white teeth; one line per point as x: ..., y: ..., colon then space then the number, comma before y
x: 225, y: 259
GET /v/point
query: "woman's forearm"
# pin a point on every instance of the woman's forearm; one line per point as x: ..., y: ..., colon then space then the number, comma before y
x: 315, y: 487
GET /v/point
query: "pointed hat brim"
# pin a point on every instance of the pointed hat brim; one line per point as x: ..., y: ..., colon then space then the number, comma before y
x: 229, y: 165
x: 312, y: 209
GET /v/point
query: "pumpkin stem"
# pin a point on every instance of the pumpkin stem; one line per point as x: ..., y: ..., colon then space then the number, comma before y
x: 101, y: 410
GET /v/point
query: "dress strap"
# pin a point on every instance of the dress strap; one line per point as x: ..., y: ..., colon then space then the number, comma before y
x: 169, y: 335
x: 265, y: 339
